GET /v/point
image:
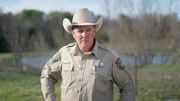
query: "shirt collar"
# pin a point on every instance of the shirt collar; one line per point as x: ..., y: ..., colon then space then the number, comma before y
x: 95, y: 49
x: 75, y: 50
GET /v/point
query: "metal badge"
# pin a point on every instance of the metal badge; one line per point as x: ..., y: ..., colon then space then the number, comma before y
x: 101, y: 63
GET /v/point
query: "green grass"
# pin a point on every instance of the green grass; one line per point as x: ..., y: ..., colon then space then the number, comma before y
x: 157, y: 89
x: 154, y: 83
x: 166, y: 68
x: 21, y: 87
x: 153, y: 89
x: 26, y: 87
x: 6, y: 55
x: 29, y: 54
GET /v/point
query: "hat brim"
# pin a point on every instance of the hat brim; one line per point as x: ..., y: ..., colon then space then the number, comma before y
x: 68, y: 25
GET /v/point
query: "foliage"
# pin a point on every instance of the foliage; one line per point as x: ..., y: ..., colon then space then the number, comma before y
x: 102, y: 36
x: 3, y: 42
x: 67, y: 15
x: 33, y: 30
x: 30, y: 14
x: 6, y: 55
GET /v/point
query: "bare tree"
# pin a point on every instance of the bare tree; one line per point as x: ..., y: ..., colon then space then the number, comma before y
x: 145, y: 28
x: 11, y: 28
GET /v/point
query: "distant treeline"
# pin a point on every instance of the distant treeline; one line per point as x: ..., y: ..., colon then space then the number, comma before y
x: 33, y: 30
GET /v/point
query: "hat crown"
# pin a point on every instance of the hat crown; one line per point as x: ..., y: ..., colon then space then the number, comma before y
x: 83, y: 15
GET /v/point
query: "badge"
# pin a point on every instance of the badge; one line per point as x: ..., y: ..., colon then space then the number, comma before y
x: 66, y: 62
x: 119, y: 64
x: 101, y: 64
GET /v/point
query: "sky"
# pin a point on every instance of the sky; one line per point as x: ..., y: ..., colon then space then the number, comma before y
x: 16, y: 6
x: 96, y: 6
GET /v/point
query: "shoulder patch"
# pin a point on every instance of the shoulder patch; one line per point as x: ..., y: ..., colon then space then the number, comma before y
x: 55, y: 57
x: 119, y: 64
x: 71, y: 44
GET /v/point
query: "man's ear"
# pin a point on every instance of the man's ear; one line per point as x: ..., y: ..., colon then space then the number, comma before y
x: 95, y: 29
x: 72, y: 32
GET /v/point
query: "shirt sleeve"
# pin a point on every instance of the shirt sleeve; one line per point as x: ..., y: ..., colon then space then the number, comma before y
x: 123, y: 80
x: 49, y: 77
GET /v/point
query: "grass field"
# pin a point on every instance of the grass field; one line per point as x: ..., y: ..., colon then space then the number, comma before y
x: 159, y: 82
x: 155, y: 83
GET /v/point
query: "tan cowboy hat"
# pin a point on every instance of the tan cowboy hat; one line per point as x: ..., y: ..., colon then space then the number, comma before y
x: 82, y: 17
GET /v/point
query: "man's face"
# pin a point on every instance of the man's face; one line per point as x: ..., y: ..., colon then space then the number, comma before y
x: 84, y: 35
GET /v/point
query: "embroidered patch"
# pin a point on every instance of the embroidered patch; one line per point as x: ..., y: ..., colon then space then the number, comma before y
x: 119, y: 64
x: 55, y: 57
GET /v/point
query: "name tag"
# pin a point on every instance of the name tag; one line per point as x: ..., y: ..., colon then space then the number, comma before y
x: 66, y: 62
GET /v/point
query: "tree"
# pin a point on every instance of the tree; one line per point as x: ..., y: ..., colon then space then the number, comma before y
x: 102, y: 36
x: 31, y: 14
x: 32, y: 22
x: 3, y: 43
x: 11, y: 28
x: 59, y: 36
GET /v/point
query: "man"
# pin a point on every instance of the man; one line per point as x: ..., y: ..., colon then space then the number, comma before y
x: 86, y: 69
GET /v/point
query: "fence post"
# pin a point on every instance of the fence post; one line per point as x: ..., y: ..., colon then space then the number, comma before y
x: 136, y: 72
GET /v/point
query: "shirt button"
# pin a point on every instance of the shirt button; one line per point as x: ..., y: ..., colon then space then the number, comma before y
x: 81, y: 68
x: 79, y: 79
x: 78, y: 91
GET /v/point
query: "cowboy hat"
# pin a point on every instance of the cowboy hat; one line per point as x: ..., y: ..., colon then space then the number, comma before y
x: 82, y: 17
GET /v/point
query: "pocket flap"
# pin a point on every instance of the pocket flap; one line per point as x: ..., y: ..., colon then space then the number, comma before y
x: 67, y: 67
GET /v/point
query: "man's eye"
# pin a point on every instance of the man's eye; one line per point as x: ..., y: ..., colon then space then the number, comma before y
x: 80, y: 31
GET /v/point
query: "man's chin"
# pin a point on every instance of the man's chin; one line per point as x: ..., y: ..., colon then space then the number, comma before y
x: 84, y: 45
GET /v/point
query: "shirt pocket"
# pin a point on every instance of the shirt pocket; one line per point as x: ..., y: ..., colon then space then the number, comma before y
x: 67, y: 67
x: 67, y: 74
x: 102, y: 79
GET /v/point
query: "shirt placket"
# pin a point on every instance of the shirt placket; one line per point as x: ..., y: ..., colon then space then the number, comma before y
x: 81, y: 75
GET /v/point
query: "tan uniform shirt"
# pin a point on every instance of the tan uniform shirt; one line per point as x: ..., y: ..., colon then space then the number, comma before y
x: 87, y: 77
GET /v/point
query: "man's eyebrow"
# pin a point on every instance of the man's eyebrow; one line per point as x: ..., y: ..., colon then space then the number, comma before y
x: 89, y: 28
